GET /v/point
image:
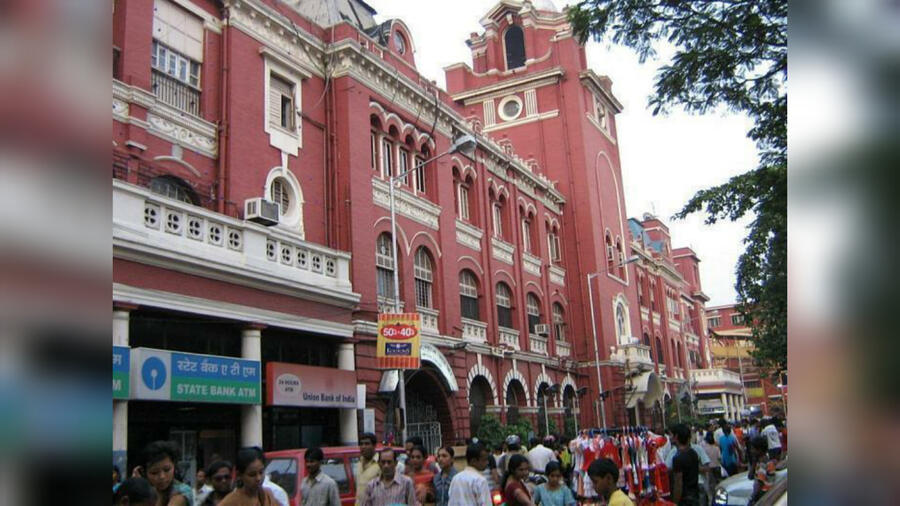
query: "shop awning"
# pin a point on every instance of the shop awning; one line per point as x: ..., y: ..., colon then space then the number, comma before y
x: 647, y: 388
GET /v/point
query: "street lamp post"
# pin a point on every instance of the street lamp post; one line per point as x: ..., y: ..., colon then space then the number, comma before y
x: 602, y: 406
x: 553, y: 390
x: 465, y: 144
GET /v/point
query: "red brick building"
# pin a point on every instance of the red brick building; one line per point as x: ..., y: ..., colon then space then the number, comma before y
x: 223, y: 109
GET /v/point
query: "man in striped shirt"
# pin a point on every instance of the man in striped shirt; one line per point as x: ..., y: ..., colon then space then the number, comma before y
x: 392, y: 488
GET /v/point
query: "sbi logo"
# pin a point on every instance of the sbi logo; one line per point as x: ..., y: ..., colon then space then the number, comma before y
x: 153, y: 373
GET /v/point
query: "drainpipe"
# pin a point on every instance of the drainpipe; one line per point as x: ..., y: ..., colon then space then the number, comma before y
x: 221, y: 176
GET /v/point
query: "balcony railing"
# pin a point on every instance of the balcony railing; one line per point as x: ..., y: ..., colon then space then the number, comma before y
x: 386, y: 305
x: 563, y: 349
x: 429, y: 319
x: 717, y: 375
x: 636, y: 355
x: 537, y: 344
x: 509, y: 337
x: 176, y: 93
x: 474, y: 331
x: 147, y: 225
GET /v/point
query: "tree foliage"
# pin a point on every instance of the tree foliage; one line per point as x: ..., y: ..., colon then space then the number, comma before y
x: 729, y: 54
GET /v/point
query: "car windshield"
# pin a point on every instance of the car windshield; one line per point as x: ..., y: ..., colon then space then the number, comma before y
x: 283, y: 472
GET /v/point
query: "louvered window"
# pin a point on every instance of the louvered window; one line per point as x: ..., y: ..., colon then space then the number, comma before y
x: 526, y: 235
x: 387, y: 158
x: 373, y: 141
x: 403, y: 165
x: 281, y: 103
x: 553, y: 244
x: 559, y: 322
x: 419, y: 176
x: 468, y: 295
x: 504, y: 306
x: 384, y: 266
x: 462, y: 199
x: 498, y: 220
x: 281, y: 194
x: 423, y: 275
x: 533, y: 307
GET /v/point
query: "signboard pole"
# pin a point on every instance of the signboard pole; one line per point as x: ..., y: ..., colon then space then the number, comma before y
x: 401, y: 380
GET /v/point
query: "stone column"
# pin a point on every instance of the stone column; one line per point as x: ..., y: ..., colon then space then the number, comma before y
x: 725, y: 404
x: 347, y: 422
x: 120, y: 320
x: 734, y: 411
x: 251, y: 415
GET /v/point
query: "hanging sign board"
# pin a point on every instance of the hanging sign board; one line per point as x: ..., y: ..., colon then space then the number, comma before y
x: 398, y: 341
x: 309, y: 386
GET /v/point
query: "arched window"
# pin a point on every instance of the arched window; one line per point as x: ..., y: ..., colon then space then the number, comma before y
x: 514, y: 39
x: 621, y: 324
x: 504, y: 306
x: 497, y: 211
x: 424, y: 278
x: 680, y: 355
x: 174, y: 188
x: 646, y: 340
x: 526, y: 234
x: 610, y: 254
x: 559, y: 321
x: 553, y: 244
x: 468, y: 295
x: 533, y: 307
x: 660, y: 354
x: 384, y: 266
x: 620, y: 259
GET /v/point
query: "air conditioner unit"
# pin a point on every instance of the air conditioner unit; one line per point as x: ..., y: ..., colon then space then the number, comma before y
x: 262, y: 211
x: 542, y: 329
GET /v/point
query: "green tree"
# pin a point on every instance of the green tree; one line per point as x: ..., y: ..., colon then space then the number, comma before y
x: 728, y: 54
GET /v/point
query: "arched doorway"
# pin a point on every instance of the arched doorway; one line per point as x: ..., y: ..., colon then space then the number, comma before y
x: 543, y: 404
x: 515, y: 399
x: 479, y: 397
x: 428, y: 412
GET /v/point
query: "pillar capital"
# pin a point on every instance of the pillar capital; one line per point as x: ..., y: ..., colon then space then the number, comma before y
x: 124, y: 306
x: 255, y: 326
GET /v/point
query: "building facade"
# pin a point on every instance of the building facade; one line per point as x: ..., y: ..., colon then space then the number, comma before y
x: 731, y: 342
x: 515, y: 257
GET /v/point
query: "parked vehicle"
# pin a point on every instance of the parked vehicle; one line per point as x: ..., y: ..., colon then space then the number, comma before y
x: 287, y: 468
x: 736, y: 490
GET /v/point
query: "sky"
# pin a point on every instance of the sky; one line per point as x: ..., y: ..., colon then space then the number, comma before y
x: 665, y: 159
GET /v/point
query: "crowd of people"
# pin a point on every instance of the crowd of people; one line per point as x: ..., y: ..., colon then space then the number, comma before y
x: 596, y: 467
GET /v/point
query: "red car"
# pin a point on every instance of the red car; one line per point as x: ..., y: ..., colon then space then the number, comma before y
x: 287, y: 468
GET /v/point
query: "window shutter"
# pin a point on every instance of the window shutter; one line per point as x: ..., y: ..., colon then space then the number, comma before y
x: 178, y: 29
x: 278, y: 87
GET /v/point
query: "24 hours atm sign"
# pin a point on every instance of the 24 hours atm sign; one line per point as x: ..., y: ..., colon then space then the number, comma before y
x: 398, y: 341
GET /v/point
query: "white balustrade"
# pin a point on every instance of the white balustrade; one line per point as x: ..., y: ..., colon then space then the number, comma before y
x: 509, y: 337
x: 537, y: 344
x: 474, y: 331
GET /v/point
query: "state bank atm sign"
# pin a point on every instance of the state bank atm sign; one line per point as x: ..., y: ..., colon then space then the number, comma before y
x: 189, y: 377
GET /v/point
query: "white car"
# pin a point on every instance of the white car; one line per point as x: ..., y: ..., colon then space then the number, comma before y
x: 736, y: 490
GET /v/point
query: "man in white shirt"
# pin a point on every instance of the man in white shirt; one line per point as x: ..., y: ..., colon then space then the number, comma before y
x: 773, y: 437
x: 469, y: 487
x: 540, y: 455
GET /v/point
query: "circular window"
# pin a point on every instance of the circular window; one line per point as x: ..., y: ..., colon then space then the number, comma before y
x: 510, y: 108
x: 399, y: 43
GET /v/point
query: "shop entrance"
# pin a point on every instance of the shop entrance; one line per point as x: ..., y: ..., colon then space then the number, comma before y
x: 203, y: 432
